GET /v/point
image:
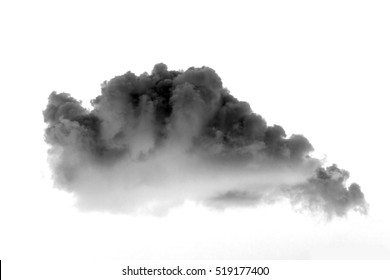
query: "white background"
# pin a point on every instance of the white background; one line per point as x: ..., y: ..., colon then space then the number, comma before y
x: 318, y: 68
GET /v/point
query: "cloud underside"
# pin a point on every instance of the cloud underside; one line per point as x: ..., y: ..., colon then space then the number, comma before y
x: 155, y: 140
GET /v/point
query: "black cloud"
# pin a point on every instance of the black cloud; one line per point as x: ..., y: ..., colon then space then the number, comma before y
x: 140, y: 120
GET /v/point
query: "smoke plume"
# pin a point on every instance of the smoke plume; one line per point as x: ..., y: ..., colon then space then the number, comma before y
x: 153, y: 141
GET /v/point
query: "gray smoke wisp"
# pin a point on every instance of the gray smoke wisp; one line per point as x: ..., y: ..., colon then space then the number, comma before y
x: 153, y: 141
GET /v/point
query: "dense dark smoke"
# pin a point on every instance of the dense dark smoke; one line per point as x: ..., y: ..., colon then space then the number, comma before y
x: 155, y: 140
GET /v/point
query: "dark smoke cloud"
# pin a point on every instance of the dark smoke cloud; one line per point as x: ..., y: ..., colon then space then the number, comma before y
x: 154, y: 140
